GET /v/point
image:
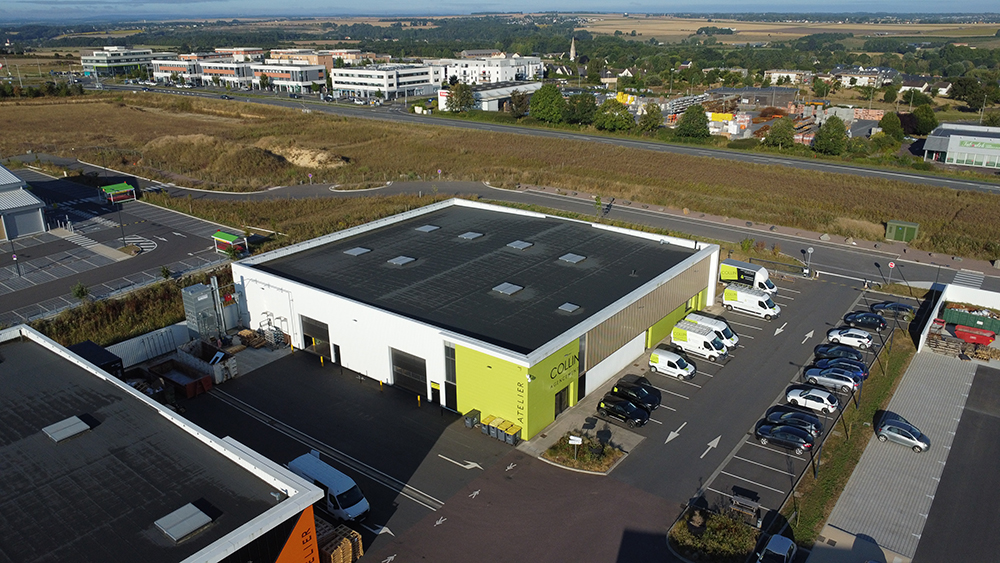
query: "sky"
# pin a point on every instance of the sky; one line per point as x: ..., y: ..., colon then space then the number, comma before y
x: 67, y: 10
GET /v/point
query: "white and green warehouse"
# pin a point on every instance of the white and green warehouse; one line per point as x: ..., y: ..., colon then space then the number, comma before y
x: 513, y: 313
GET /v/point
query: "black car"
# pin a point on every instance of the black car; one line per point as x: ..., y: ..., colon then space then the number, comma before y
x: 225, y: 97
x: 795, y: 439
x: 294, y: 95
x: 858, y: 368
x: 786, y: 416
x: 894, y: 309
x: 825, y: 351
x: 865, y: 320
x: 622, y: 409
x: 642, y: 395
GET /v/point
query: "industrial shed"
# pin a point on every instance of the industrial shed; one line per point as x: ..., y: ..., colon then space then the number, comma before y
x: 965, y: 145
x: 21, y: 213
x: 512, y: 313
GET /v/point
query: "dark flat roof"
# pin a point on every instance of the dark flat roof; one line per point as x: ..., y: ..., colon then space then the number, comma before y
x: 96, y: 496
x: 450, y: 284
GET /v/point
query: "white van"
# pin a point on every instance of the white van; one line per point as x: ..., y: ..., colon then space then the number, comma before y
x: 698, y: 340
x: 670, y: 364
x: 749, y: 300
x: 343, y: 499
x: 722, y: 330
x: 731, y: 271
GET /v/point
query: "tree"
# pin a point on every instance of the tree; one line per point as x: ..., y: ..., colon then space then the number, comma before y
x: 452, y: 80
x: 693, y: 123
x: 821, y: 88
x: 891, y: 126
x: 915, y: 98
x: 460, y: 98
x: 652, y: 119
x: 581, y: 108
x: 781, y: 134
x: 216, y: 80
x: 992, y: 119
x: 926, y: 120
x: 831, y: 137
x: 593, y: 74
x: 519, y: 103
x: 80, y: 291
x: 890, y: 94
x: 613, y: 116
x: 265, y: 81
x: 547, y: 104
x: 881, y: 142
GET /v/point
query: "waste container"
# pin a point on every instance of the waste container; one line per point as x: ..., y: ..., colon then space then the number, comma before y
x: 493, y: 426
x: 471, y: 418
x: 513, y: 434
x: 486, y: 423
x: 502, y: 430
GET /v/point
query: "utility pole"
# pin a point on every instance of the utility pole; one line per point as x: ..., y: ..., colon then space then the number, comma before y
x: 982, y: 110
x: 18, y: 68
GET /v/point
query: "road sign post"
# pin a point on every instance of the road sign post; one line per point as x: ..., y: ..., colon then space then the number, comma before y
x: 575, y: 441
x: 891, y: 266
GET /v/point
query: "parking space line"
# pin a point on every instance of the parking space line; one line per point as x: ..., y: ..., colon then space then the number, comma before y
x: 743, y: 325
x: 671, y: 392
x: 779, y: 296
x: 753, y: 482
x: 763, y: 465
x: 686, y: 382
x: 703, y: 373
x: 764, y: 508
x: 742, y: 336
x: 782, y: 288
x: 756, y: 445
x: 651, y: 419
x: 666, y: 407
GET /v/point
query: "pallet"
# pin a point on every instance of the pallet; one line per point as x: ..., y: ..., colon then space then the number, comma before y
x: 344, y: 546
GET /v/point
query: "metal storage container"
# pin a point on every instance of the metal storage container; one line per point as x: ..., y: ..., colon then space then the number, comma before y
x: 200, y: 311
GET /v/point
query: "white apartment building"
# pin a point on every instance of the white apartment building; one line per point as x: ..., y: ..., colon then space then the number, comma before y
x: 393, y: 81
x: 790, y: 76
x: 486, y: 70
x: 111, y: 61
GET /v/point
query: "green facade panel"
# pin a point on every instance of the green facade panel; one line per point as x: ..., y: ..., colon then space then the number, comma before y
x: 662, y: 328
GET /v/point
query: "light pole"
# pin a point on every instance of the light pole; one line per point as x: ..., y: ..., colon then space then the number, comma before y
x: 809, y: 255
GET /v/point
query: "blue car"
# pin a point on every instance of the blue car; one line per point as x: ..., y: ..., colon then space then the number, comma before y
x: 857, y: 368
x: 824, y: 351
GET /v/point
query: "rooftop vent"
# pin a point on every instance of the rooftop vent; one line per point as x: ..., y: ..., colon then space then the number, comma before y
x: 568, y: 307
x: 183, y: 522
x: 520, y: 244
x: 427, y: 228
x: 572, y: 258
x: 357, y: 251
x: 400, y: 260
x: 66, y: 429
x: 508, y: 288
x: 471, y: 235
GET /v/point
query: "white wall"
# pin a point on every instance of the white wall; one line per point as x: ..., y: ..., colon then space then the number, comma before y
x: 616, y: 362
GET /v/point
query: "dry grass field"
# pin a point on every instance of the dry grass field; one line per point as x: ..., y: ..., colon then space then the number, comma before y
x: 247, y: 147
x: 669, y: 29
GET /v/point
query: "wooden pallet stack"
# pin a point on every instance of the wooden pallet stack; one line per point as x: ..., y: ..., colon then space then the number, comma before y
x: 343, y: 546
x: 943, y: 344
x: 251, y: 339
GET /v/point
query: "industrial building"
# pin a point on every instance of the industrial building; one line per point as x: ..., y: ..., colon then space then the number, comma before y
x: 21, y: 212
x: 95, y: 470
x: 512, y: 313
x: 492, y: 97
x: 965, y: 145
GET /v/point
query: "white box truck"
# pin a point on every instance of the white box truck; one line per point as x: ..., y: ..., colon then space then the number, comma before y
x: 343, y: 499
x: 734, y: 271
x: 744, y: 298
x: 698, y: 340
x: 722, y: 330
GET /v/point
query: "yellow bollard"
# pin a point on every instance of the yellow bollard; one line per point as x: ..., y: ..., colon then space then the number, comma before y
x: 418, y: 400
x: 293, y: 347
x: 321, y: 361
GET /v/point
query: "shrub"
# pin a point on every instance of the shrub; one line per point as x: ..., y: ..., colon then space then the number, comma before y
x: 746, y: 244
x: 724, y: 539
x: 743, y: 144
x: 921, y: 165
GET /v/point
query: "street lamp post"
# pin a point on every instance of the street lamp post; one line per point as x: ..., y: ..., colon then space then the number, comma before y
x: 809, y: 255
x: 121, y: 224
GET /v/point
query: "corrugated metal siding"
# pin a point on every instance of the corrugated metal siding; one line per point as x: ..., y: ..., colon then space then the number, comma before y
x: 150, y: 345
x: 604, y: 339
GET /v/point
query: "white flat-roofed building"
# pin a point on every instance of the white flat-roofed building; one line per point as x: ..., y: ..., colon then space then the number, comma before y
x: 486, y: 70
x: 165, y: 70
x: 289, y: 77
x: 242, y: 53
x: 118, y: 60
x: 394, y: 81
x: 232, y: 73
x: 964, y: 145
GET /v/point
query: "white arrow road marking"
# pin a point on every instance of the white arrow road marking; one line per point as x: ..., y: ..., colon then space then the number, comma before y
x: 180, y: 235
x: 161, y: 238
x: 440, y: 521
x: 474, y: 493
x: 713, y: 444
x: 511, y: 466
x: 467, y: 465
x: 675, y: 433
x: 378, y: 530
x: 389, y: 559
x: 780, y: 329
x: 808, y: 336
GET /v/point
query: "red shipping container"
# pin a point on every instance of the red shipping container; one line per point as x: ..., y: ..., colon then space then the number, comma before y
x: 977, y: 335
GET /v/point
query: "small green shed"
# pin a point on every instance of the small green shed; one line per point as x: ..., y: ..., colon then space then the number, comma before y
x: 901, y: 230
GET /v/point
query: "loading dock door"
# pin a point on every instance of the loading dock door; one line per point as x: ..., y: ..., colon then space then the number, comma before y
x: 316, y: 337
x: 409, y: 372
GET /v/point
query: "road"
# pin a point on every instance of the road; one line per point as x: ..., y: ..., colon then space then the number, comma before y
x: 390, y: 113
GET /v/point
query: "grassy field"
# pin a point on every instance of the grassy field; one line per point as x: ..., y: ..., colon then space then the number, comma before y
x: 219, y: 144
x: 671, y: 29
x: 816, y: 497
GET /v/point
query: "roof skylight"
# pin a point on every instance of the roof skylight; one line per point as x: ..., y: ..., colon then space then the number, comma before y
x: 572, y: 258
x: 520, y: 244
x: 471, y: 235
x: 507, y: 288
x: 400, y: 260
x: 357, y: 251
x: 427, y: 228
x: 568, y: 307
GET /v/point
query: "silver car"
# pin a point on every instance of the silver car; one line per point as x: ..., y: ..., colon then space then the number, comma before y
x: 902, y: 432
x: 836, y: 379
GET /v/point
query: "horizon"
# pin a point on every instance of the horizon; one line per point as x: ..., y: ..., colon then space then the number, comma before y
x: 111, y: 11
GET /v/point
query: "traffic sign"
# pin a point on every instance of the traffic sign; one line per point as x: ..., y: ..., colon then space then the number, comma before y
x: 14, y: 256
x: 892, y: 265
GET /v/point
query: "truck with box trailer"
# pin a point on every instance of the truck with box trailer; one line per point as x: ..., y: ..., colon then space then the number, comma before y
x: 734, y: 271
